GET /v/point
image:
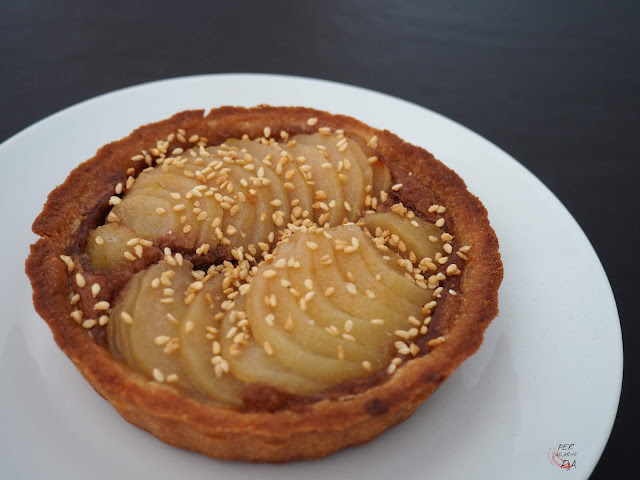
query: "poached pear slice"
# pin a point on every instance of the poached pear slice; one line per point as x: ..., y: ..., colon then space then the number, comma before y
x: 371, y: 300
x: 199, y: 209
x: 263, y: 222
x: 118, y: 330
x: 109, y: 254
x: 392, y: 305
x: 324, y: 180
x: 381, y: 175
x: 151, y: 322
x: 415, y: 238
x: 260, y: 153
x: 252, y: 364
x: 346, y: 166
x: 388, y: 272
x: 196, y: 348
x: 286, y: 350
x: 151, y: 216
x: 242, y: 222
x: 309, y: 323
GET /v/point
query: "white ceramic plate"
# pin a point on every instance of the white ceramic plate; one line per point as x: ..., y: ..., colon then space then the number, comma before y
x: 548, y: 374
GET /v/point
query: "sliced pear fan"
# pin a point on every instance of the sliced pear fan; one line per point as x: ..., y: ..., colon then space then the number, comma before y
x: 251, y: 364
x: 324, y: 306
x: 148, y: 338
x: 326, y: 186
x: 319, y: 312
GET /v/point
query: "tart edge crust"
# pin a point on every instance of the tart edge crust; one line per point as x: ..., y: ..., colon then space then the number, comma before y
x: 311, y: 431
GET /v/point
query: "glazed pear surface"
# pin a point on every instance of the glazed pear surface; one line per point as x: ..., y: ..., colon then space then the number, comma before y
x: 305, y: 277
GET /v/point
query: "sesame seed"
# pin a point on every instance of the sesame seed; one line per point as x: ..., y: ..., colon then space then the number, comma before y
x: 158, y: 376
x: 269, y: 274
x: 332, y: 330
x: 312, y: 121
x: 351, y: 288
x: 102, y: 306
x: 80, y: 281
x: 95, y: 290
x: 103, y: 320
x: 161, y: 340
x: 377, y: 321
x: 436, y: 341
x: 87, y: 324
x: 312, y: 245
x: 396, y: 187
x: 68, y: 262
x: 126, y: 318
x: 440, y: 222
x: 453, y: 269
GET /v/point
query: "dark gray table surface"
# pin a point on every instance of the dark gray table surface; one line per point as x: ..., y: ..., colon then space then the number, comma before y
x: 555, y: 84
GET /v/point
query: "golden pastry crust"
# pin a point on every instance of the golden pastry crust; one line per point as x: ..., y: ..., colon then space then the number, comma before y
x: 302, y: 431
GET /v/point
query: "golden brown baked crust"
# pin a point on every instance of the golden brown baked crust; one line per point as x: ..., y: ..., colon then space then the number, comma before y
x: 309, y: 430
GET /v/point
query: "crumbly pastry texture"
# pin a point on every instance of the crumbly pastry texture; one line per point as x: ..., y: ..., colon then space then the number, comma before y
x: 270, y: 426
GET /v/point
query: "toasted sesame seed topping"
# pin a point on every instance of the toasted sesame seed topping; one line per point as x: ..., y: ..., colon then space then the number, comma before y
x: 102, y: 306
x: 158, y: 376
x: 68, y: 262
x: 80, y: 281
x: 312, y: 121
x: 88, y: 324
x: 436, y: 341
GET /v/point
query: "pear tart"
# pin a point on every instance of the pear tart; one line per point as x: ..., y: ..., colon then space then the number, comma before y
x: 264, y: 284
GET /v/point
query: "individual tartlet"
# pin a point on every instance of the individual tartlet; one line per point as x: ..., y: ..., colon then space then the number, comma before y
x: 264, y: 284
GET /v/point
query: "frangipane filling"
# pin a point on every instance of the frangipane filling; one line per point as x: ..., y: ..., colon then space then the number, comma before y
x: 285, y: 264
